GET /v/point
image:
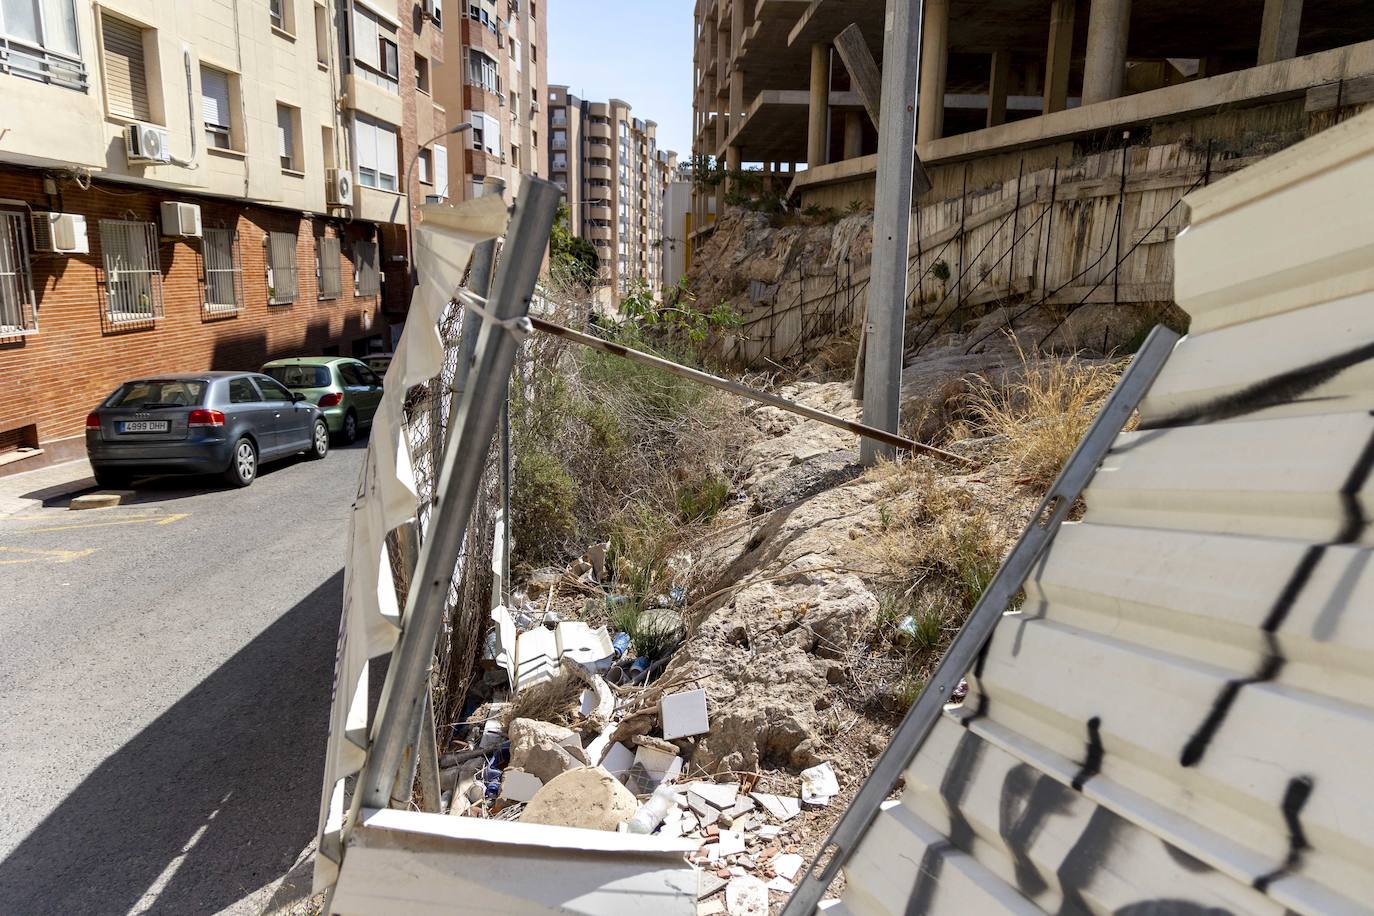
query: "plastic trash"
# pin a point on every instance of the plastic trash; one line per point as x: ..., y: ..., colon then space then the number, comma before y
x: 907, y: 627
x: 652, y: 813
x: 678, y: 594
x: 621, y: 643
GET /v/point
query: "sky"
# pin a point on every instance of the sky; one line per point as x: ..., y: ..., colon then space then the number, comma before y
x: 639, y: 51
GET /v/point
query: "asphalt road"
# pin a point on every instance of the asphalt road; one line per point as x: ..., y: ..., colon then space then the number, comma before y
x: 164, y: 691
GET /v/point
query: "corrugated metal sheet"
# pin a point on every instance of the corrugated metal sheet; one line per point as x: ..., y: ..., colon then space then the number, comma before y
x: 1179, y: 717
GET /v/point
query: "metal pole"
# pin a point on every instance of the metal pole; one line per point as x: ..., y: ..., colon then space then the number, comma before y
x: 637, y: 356
x: 891, y: 224
x: 407, y: 682
x: 983, y: 619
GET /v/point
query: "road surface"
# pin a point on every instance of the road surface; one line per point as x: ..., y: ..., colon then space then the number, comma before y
x: 164, y: 689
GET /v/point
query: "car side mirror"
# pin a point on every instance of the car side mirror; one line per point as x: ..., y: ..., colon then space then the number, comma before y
x: 297, y: 397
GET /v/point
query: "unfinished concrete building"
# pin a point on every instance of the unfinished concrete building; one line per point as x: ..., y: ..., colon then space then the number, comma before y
x: 614, y: 175
x: 1059, y: 136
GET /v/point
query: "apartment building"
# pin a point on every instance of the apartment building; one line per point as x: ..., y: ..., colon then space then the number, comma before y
x: 495, y: 75
x: 198, y: 184
x: 608, y: 163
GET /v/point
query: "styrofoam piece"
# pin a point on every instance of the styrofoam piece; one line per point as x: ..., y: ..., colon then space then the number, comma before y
x: 684, y: 714
x: 519, y: 786
x: 787, y: 865
x: 588, y: 702
x: 819, y: 785
x: 721, y: 795
x: 779, y: 807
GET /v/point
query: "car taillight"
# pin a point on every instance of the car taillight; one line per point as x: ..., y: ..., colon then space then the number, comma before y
x: 333, y: 399
x: 92, y: 421
x: 202, y: 417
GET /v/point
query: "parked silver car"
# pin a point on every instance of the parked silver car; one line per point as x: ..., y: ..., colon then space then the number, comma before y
x: 204, y: 423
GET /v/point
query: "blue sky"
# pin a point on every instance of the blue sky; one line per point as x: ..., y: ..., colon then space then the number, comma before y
x: 636, y: 50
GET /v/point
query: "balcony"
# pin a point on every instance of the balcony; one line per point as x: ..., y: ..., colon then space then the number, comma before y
x: 476, y: 35
x: 604, y: 233
x: 597, y: 192
x: 557, y: 143
x: 596, y: 210
x: 600, y: 130
x: 603, y: 172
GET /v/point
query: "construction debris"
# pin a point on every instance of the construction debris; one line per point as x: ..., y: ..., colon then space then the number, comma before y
x: 588, y: 797
x: 818, y: 785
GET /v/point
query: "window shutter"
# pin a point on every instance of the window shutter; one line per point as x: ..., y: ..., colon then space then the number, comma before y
x: 126, y: 80
x: 441, y: 171
x: 284, y: 137
x: 386, y: 150
x: 214, y: 97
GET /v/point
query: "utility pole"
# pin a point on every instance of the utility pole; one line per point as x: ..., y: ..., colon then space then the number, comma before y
x: 891, y: 224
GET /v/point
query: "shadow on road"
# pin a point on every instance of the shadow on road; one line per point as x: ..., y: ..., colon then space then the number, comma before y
x: 229, y: 778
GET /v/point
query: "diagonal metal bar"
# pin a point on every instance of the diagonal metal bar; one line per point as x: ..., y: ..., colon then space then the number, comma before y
x: 407, y: 681
x: 924, y: 713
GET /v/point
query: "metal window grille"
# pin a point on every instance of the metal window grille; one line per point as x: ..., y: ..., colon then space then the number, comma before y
x: 331, y: 283
x: 367, y: 280
x: 133, y: 278
x: 18, y: 314
x: 37, y: 63
x: 282, y: 275
x: 223, y: 273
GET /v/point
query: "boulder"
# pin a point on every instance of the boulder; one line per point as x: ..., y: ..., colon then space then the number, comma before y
x: 590, y: 798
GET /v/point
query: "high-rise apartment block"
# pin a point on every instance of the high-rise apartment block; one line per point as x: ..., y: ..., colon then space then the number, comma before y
x: 203, y: 184
x: 494, y: 75
x: 608, y: 163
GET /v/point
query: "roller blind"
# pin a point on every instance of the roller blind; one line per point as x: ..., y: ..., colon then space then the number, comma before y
x: 441, y: 171
x: 214, y: 97
x: 126, y: 80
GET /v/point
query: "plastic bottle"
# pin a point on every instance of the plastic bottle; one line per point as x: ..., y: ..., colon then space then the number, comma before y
x: 653, y: 811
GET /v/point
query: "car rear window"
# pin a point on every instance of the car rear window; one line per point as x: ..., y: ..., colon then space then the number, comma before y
x: 155, y: 393
x: 301, y: 376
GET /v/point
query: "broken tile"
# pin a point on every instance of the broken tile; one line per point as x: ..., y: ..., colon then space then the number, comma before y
x: 738, y: 871
x: 519, y: 786
x: 618, y: 760
x: 780, y: 807
x: 711, y: 908
x: 743, y: 805
x: 720, y: 795
x: 706, y: 813
x: 746, y: 896
x: 781, y: 886
x: 819, y: 785
x: 768, y: 832
x: 731, y: 843
x: 684, y: 714
x: 787, y: 865
x: 707, y: 884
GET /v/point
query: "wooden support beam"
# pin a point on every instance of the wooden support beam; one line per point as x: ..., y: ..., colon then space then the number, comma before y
x: 868, y: 81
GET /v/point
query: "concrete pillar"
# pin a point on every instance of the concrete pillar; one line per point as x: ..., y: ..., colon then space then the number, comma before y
x: 1104, y: 70
x: 721, y: 125
x: 999, y: 78
x: 930, y: 107
x: 818, y: 114
x: 1279, y: 30
x: 736, y: 25
x: 1059, y: 56
x: 853, y: 134
x: 736, y: 100
x: 734, y: 158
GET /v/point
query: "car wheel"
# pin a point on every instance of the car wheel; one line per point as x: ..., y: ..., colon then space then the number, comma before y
x: 319, y: 442
x: 350, y: 427
x: 243, y: 464
x: 112, y: 480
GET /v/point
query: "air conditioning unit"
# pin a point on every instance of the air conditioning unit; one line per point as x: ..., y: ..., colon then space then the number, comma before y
x: 180, y: 219
x: 534, y: 106
x: 339, y: 187
x: 146, y: 143
x: 60, y: 233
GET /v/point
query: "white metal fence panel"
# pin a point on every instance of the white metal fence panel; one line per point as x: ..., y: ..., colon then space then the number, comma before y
x: 283, y: 274
x: 17, y: 312
x: 133, y: 272
x: 223, y: 271
x: 1178, y: 718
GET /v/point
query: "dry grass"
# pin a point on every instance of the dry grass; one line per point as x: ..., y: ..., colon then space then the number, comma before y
x: 557, y: 701
x: 1041, y: 411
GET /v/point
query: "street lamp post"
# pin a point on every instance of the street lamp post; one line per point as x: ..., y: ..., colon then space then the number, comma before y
x: 410, y: 213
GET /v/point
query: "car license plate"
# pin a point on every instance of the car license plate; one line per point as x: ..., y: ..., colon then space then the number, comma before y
x: 144, y: 426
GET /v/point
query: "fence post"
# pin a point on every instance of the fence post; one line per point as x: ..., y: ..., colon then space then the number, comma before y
x: 1015, y: 224
x: 1049, y: 231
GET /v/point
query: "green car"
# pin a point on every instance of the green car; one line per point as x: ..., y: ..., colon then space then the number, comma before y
x: 346, y: 390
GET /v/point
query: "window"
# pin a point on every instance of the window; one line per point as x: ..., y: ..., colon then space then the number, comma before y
x: 375, y: 49
x: 18, y: 314
x: 515, y: 157
x: 438, y: 15
x: 241, y: 391
x: 367, y: 280
x: 282, y: 279
x: 483, y: 71
x: 288, y: 130
x: 321, y: 35
x: 170, y: 393
x: 376, y: 145
x: 441, y: 172
x: 133, y: 280
x: 424, y: 163
x: 327, y: 270
x: 216, y: 110
x: 126, y: 70
x: 272, y: 390
x: 422, y: 74
x: 534, y: 53
x: 350, y: 375
x: 41, y: 47
x: 301, y: 376
x: 534, y: 10
x: 534, y: 138
x: 486, y: 132
x: 223, y: 276
x: 276, y: 10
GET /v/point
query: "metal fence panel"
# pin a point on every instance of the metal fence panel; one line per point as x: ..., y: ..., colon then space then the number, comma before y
x: 330, y: 282
x: 283, y: 275
x: 1178, y: 717
x: 133, y: 274
x: 17, y: 312
x: 223, y: 273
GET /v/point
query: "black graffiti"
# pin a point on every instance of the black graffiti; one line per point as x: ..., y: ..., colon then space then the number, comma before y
x: 954, y: 785
x: 980, y: 707
x: 1092, y: 760
x: 1294, y: 798
x: 1280, y: 389
x: 1028, y: 800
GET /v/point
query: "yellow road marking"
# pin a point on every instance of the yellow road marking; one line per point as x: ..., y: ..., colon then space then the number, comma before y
x: 139, y: 520
x: 39, y: 556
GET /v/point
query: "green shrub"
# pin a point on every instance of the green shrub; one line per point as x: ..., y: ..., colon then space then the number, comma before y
x: 701, y: 500
x: 543, y: 497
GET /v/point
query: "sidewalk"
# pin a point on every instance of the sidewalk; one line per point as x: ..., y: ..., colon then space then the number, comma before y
x: 25, y: 492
